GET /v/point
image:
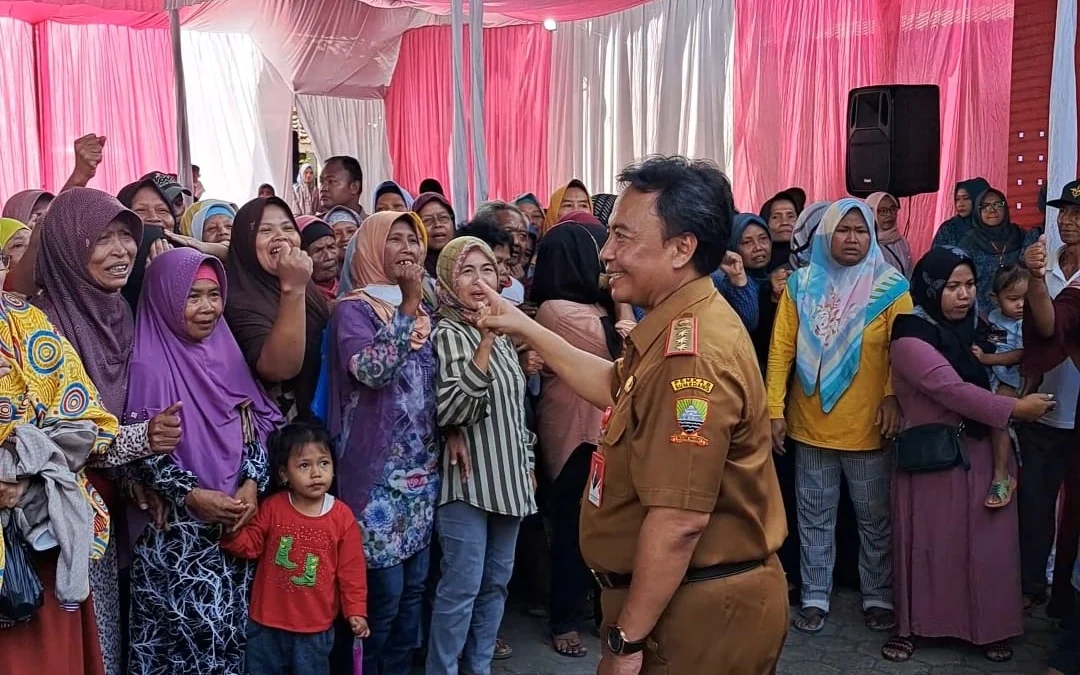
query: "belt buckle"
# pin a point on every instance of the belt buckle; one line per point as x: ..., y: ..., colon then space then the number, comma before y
x: 600, y: 579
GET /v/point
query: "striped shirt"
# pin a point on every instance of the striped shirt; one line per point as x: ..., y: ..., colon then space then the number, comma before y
x: 489, y: 408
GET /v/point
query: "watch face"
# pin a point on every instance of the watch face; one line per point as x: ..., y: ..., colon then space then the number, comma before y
x: 615, y: 641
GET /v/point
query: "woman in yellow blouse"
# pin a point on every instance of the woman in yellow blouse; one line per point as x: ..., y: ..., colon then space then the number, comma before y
x: 833, y: 324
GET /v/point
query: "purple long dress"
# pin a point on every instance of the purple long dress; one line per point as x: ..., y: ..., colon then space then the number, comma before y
x: 956, y: 563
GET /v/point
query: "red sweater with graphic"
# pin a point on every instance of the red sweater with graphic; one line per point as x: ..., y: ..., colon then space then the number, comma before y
x: 307, y: 565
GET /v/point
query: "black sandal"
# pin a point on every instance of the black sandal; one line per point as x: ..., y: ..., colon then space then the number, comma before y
x: 898, y: 649
x: 879, y: 619
x: 570, y: 645
x: 810, y: 620
x: 998, y: 652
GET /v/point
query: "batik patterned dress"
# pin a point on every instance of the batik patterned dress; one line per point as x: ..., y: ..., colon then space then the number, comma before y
x: 48, y: 385
x: 189, y: 599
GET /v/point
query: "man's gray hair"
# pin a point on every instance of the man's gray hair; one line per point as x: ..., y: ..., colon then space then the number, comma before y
x: 487, y: 210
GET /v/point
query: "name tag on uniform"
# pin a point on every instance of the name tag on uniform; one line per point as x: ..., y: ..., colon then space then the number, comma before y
x: 596, y: 479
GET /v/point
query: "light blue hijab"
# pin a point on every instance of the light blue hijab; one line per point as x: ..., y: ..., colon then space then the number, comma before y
x: 213, y: 208
x: 835, y: 303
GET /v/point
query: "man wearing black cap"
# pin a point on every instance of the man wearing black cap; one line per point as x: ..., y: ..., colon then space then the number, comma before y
x: 1041, y: 443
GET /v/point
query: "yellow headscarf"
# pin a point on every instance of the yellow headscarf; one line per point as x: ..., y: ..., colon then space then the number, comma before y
x: 551, y: 218
x: 189, y: 215
x: 8, y: 228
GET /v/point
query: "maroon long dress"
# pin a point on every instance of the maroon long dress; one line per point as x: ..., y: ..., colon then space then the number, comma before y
x: 956, y: 563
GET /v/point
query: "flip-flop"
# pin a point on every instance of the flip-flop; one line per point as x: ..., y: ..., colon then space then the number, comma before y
x: 502, y: 650
x: 803, y: 621
x: 879, y: 619
x: 572, y: 645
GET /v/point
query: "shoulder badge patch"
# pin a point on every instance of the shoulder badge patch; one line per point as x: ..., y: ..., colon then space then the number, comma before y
x: 682, y: 337
x: 690, y: 413
x: 692, y: 383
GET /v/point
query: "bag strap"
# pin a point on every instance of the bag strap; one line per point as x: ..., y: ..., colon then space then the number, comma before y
x: 247, y: 421
x: 963, y: 446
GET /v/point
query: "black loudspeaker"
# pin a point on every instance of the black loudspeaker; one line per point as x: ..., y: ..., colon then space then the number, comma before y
x: 894, y: 140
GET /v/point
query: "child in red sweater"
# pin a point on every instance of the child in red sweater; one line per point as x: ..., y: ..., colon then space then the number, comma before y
x: 311, y: 560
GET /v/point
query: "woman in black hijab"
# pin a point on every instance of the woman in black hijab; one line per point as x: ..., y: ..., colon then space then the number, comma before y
x: 147, y: 200
x: 571, y: 303
x: 275, y: 311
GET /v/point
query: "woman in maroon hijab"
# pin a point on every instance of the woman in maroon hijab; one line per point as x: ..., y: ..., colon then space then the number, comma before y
x: 87, y: 251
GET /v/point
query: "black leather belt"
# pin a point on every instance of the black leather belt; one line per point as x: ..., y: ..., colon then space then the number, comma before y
x: 611, y: 581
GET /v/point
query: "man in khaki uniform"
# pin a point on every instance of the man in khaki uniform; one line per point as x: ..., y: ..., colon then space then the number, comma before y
x: 682, y: 513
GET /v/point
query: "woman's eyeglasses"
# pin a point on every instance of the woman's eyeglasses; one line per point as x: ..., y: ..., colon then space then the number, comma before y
x: 888, y: 210
x: 441, y: 220
x: 993, y: 206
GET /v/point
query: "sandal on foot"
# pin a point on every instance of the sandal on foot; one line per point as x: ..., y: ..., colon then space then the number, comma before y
x: 879, y: 619
x: 898, y: 649
x: 502, y: 650
x: 810, y: 620
x: 569, y: 644
x: 1000, y: 493
x: 998, y: 652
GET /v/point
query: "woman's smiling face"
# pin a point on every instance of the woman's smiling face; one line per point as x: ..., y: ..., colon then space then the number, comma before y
x: 276, y: 234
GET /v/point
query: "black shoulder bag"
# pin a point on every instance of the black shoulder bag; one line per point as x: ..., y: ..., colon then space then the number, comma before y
x: 930, y: 447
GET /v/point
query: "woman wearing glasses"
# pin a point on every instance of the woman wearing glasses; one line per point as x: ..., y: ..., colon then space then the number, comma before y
x: 438, y: 218
x: 894, y: 245
x: 993, y: 241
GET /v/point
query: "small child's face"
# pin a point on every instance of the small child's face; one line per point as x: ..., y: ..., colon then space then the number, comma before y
x: 309, y: 472
x: 1011, y: 300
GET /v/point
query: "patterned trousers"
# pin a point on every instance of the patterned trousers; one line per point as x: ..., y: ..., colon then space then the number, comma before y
x: 818, y: 474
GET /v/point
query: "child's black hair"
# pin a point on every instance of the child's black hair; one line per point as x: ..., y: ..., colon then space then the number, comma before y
x: 1008, y: 276
x: 282, y: 442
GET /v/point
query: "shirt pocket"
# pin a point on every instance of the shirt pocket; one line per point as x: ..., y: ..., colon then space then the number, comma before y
x: 616, y: 449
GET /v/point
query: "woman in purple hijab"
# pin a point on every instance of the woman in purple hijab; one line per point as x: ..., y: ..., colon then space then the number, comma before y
x: 185, y: 359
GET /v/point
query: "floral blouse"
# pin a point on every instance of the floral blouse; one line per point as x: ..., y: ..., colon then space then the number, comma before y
x: 398, y: 518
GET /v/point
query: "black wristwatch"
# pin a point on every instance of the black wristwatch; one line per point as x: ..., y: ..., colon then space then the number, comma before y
x: 618, y: 644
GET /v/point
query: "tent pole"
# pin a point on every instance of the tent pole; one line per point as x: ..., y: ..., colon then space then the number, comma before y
x: 183, y: 144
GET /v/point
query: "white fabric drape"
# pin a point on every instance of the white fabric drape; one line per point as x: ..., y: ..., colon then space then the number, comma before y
x: 18, y: 110
x: 479, y: 191
x: 652, y: 79
x: 240, y: 113
x: 1061, y: 158
x: 345, y: 126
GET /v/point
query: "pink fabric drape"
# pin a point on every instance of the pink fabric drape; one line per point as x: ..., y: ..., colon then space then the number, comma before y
x: 419, y: 108
x: 796, y: 62
x: 526, y: 10
x: 18, y: 109
x: 113, y: 81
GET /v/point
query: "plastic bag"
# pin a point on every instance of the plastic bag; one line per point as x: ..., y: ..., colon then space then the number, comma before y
x: 22, y: 593
x: 358, y: 656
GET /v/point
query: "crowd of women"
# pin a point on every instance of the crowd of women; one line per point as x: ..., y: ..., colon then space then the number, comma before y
x: 153, y: 348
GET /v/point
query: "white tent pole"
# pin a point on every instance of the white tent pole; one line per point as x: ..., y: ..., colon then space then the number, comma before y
x: 183, y: 143
x: 476, y: 72
x: 459, y: 162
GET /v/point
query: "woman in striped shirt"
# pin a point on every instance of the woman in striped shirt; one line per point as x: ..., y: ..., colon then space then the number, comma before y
x: 489, y: 487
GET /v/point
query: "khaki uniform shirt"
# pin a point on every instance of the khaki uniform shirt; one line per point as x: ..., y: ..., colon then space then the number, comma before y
x: 689, y: 430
